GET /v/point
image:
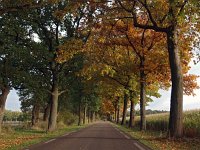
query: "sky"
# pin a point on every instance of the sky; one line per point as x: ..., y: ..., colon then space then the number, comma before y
x: 189, y: 102
x: 162, y: 103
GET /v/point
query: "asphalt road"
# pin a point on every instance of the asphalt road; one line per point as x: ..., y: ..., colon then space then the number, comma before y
x: 99, y: 136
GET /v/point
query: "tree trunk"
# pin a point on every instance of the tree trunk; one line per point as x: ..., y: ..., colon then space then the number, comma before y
x: 46, y: 113
x: 176, y: 106
x: 124, y: 109
x: 54, y: 108
x: 94, y: 116
x: 118, y: 107
x: 132, y: 114
x: 35, y: 115
x: 85, y: 115
x: 79, y: 114
x: 3, y: 98
x: 115, y: 115
x: 142, y: 96
x: 91, y: 116
x: 88, y: 116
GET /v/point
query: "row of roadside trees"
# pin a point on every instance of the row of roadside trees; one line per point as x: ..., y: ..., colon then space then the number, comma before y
x: 91, y: 54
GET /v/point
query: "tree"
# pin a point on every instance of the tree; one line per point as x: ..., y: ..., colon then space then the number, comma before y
x: 169, y: 23
x: 127, y: 51
x: 149, y: 48
x: 14, y: 43
x: 46, y: 23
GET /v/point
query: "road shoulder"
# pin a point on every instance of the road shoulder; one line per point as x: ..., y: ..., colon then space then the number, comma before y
x: 140, y: 144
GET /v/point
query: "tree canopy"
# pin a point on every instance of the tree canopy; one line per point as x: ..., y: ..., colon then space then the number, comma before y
x: 98, y: 58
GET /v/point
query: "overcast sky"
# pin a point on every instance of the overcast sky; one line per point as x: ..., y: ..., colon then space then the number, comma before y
x: 162, y: 103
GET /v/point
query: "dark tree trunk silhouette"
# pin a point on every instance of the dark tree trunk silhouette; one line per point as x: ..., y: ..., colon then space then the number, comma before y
x: 91, y: 116
x: 115, y: 113
x: 46, y: 113
x: 84, y: 114
x: 124, y: 109
x: 132, y: 111
x: 79, y: 114
x: 94, y: 116
x: 118, y: 107
x: 35, y: 115
x: 88, y: 114
x: 142, y: 96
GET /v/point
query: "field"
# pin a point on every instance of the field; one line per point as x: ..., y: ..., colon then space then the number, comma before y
x: 156, y: 134
x: 159, y: 122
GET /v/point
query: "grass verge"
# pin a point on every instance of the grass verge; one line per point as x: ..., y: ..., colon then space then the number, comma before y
x: 21, y: 138
x: 158, y: 141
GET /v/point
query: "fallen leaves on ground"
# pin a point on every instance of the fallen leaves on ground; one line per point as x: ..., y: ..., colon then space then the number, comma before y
x: 11, y: 139
x: 162, y: 143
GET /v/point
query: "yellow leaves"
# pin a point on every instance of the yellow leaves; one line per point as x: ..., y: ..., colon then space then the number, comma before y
x: 90, y: 70
x: 9, y: 140
x: 189, y: 84
x: 107, y: 70
x: 107, y: 106
x: 102, y: 40
x: 71, y: 6
x: 120, y: 25
x: 68, y: 50
x: 59, y: 14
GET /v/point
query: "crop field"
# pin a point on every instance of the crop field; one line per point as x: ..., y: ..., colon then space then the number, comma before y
x: 159, y: 122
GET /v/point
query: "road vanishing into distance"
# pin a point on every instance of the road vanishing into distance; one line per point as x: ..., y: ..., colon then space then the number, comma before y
x: 98, y: 136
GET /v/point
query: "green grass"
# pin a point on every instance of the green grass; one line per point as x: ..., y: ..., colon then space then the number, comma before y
x: 21, y: 138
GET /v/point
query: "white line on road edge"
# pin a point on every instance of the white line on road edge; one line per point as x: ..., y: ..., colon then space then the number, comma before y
x: 116, y: 129
x: 72, y: 132
x: 66, y: 134
x: 138, y: 146
x: 50, y: 141
x: 69, y: 133
x: 126, y: 136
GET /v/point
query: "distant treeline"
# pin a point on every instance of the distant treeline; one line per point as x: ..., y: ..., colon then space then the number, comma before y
x: 15, y: 116
x: 149, y: 112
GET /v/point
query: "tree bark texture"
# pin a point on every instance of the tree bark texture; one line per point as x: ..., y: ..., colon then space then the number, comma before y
x: 3, y: 98
x: 35, y: 115
x: 142, y: 96
x: 176, y: 105
x: 54, y: 108
x: 132, y: 112
x: 46, y: 112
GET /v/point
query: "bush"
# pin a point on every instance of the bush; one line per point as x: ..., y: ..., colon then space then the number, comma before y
x: 7, y: 129
x: 67, y: 118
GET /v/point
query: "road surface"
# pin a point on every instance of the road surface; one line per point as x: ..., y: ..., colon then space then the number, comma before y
x: 99, y: 136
